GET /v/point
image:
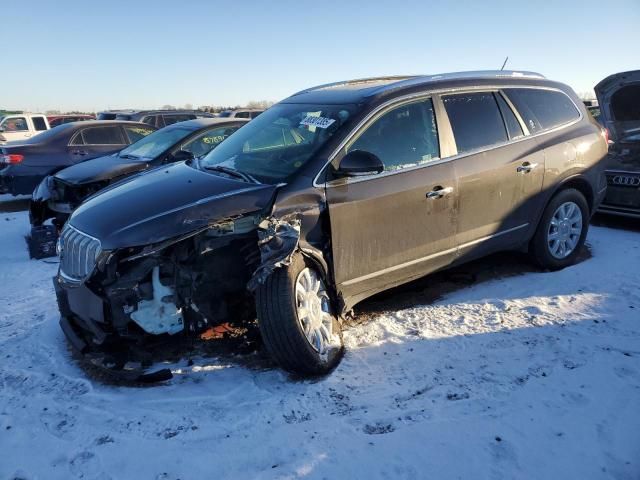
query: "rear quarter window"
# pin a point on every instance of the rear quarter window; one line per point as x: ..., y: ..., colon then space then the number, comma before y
x: 543, y: 110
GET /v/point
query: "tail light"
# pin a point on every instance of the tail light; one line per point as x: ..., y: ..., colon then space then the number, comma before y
x: 11, y: 158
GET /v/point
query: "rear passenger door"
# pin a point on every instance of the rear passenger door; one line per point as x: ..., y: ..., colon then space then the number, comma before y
x: 499, y: 170
x: 92, y: 142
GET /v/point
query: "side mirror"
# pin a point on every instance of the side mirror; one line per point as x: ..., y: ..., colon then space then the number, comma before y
x: 359, y: 162
x: 182, y: 156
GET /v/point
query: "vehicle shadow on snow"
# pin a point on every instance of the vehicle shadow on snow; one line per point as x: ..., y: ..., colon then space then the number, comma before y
x: 243, y: 347
x: 11, y: 204
x: 435, y: 287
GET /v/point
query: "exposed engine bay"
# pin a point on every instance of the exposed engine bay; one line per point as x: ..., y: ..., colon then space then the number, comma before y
x: 138, y: 297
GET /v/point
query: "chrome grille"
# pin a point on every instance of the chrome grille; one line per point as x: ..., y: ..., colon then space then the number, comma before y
x: 78, y: 254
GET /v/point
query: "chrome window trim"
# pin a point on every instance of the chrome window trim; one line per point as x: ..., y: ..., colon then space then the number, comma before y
x: 624, y: 172
x: 79, y: 132
x: 398, y: 101
x: 384, y: 271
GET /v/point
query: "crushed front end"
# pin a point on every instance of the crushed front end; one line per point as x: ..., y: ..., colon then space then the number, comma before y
x: 118, y: 307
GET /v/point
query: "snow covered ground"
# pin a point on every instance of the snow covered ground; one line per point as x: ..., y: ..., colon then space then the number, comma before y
x: 510, y: 373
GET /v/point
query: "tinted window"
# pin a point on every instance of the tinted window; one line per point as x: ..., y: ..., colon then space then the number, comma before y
x: 106, y: 116
x: 122, y: 116
x: 475, y: 119
x: 543, y: 109
x: 15, y: 124
x: 242, y: 115
x: 38, y: 123
x: 207, y: 141
x: 102, y: 136
x: 136, y: 133
x: 171, y: 119
x: 255, y: 114
x: 150, y: 119
x: 403, y: 137
x: 513, y: 126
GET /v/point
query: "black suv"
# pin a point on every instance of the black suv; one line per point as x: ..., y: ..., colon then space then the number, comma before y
x: 157, y: 118
x: 330, y: 196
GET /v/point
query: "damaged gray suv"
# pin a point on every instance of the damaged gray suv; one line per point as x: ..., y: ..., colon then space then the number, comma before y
x: 330, y: 196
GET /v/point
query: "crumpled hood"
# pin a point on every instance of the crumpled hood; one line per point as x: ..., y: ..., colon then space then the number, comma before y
x: 100, y: 169
x: 605, y: 92
x: 165, y: 203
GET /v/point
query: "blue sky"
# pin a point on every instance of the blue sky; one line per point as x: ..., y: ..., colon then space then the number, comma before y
x: 92, y: 55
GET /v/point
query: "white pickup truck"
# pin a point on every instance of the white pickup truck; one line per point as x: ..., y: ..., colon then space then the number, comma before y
x: 21, y: 126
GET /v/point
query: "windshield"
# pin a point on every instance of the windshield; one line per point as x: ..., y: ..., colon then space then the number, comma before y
x: 155, y: 143
x: 277, y: 143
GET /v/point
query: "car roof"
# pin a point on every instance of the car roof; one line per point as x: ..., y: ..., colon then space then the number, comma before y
x: 204, y: 122
x: 137, y: 112
x: 365, y: 89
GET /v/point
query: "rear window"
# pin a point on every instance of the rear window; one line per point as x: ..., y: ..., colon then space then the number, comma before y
x: 39, y: 124
x: 475, y: 119
x: 106, y: 116
x: 171, y: 119
x: 136, y: 133
x: 543, y: 109
x: 121, y: 116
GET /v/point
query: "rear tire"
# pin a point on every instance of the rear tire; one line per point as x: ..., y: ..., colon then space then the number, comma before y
x: 562, y: 230
x: 296, y: 322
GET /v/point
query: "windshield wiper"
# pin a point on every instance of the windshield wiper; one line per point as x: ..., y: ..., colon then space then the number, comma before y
x: 231, y: 172
x: 129, y: 156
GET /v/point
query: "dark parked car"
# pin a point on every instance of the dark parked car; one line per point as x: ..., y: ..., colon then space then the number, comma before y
x: 157, y: 118
x: 249, y: 113
x: 59, y: 194
x: 332, y: 195
x: 619, y: 100
x: 23, y: 165
x: 55, y: 120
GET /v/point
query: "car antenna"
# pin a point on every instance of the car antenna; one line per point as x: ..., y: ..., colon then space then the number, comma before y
x: 505, y: 62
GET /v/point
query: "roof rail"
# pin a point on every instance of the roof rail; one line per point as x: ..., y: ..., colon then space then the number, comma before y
x: 400, y: 79
x: 358, y: 81
x: 486, y: 74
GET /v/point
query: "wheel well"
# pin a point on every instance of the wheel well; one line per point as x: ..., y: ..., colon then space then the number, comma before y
x: 582, y: 186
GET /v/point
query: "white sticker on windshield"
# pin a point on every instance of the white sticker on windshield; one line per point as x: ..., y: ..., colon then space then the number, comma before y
x: 320, y: 122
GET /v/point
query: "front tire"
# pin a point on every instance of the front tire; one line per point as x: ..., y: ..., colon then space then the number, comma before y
x: 562, y: 230
x: 296, y: 320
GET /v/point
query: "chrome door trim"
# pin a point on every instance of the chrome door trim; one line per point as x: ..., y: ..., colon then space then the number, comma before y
x: 429, y: 257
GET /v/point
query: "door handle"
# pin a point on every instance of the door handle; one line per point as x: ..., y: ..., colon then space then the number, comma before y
x: 526, y: 167
x: 439, y: 192
x: 80, y: 152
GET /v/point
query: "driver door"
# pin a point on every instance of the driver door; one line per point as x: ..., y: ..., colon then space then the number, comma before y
x: 390, y: 228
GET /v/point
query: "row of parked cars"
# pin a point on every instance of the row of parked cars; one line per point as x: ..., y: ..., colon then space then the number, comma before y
x: 24, y: 126
x: 332, y: 195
